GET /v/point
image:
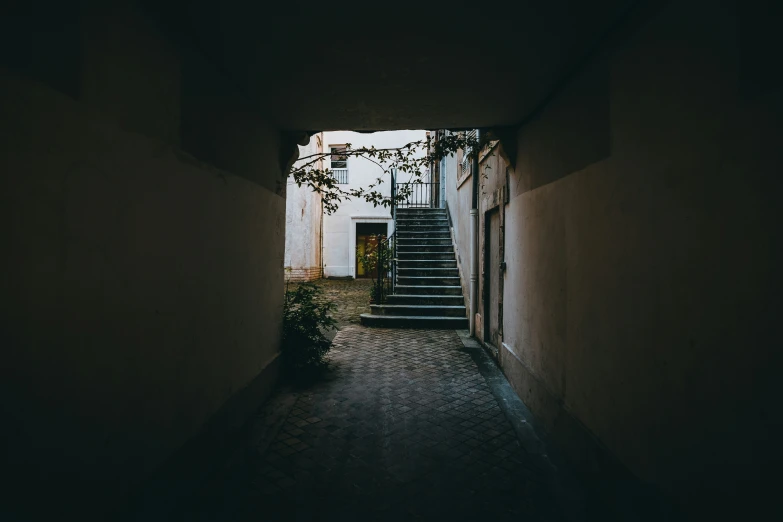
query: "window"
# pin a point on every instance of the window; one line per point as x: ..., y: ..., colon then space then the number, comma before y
x: 339, y: 159
x: 466, y: 166
x: 466, y: 161
x: 339, y: 165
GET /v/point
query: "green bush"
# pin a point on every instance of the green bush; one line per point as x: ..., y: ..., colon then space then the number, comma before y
x: 305, y: 319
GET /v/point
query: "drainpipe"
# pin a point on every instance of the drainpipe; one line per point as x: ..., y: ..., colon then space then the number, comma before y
x: 321, y: 237
x: 474, y: 245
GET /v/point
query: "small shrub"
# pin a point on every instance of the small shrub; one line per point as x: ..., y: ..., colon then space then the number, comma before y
x: 305, y: 319
x: 382, y: 259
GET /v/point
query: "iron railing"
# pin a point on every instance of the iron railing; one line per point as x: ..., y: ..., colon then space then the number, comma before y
x: 386, y: 278
x: 386, y: 265
x: 341, y: 175
x: 418, y: 195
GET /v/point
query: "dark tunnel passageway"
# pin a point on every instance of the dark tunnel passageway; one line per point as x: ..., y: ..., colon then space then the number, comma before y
x: 144, y: 158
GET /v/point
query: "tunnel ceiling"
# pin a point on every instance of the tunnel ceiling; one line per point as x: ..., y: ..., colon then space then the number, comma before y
x: 325, y: 67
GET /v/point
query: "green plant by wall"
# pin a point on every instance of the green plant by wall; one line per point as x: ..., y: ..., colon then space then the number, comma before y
x: 371, y: 256
x: 305, y: 319
x: 375, y: 256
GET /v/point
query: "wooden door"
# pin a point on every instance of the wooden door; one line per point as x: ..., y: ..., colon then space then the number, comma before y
x: 492, y: 278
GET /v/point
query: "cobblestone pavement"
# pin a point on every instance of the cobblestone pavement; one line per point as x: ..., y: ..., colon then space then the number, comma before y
x: 351, y: 296
x: 404, y: 427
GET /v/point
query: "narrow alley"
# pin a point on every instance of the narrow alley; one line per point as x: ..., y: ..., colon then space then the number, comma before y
x: 405, y: 427
x: 579, y: 200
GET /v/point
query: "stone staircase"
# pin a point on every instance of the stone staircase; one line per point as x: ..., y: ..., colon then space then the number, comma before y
x: 428, y: 292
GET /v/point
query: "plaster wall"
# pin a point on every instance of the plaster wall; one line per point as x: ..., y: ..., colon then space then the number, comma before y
x: 491, y: 197
x: 449, y: 175
x: 141, y: 286
x: 643, y: 246
x: 459, y: 200
x: 340, y: 227
x: 304, y: 214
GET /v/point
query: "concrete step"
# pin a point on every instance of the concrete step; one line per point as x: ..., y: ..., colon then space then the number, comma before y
x: 427, y: 272
x: 425, y: 299
x: 422, y: 236
x: 422, y: 215
x: 428, y: 280
x: 408, y: 222
x: 418, y: 236
x: 423, y: 241
x: 427, y: 263
x: 419, y: 310
x: 432, y: 232
x: 409, y: 210
x: 420, y: 232
x: 422, y: 224
x: 412, y: 256
x: 428, y: 289
x: 393, y: 321
x: 417, y: 248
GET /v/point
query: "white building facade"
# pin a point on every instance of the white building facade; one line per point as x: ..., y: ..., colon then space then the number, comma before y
x: 351, y: 228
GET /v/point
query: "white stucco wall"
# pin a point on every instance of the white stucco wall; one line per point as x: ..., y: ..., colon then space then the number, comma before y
x: 458, y: 200
x: 303, y: 224
x: 340, y: 227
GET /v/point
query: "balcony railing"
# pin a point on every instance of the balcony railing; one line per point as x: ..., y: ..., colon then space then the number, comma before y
x: 341, y: 175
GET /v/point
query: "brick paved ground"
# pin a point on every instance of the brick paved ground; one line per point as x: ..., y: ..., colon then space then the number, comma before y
x: 352, y: 298
x: 404, y: 427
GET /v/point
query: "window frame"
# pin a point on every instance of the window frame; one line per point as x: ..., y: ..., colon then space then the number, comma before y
x: 334, y: 151
x: 332, y: 154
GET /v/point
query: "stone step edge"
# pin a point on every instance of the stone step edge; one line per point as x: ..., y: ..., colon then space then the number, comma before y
x: 436, y: 268
x: 432, y: 277
x: 425, y: 252
x: 450, y: 287
x: 427, y: 260
x: 414, y: 317
x: 425, y: 296
x: 448, y: 307
x: 401, y: 239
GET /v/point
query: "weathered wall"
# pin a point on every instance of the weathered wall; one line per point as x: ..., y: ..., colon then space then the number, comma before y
x: 141, y: 287
x: 492, y: 185
x: 449, y: 172
x: 459, y: 200
x: 643, y: 244
x: 303, y: 220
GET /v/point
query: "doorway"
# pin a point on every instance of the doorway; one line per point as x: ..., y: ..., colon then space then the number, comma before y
x: 366, y: 242
x: 492, y: 273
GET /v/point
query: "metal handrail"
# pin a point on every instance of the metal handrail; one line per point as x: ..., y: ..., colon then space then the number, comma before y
x: 386, y: 277
x: 419, y: 194
x: 386, y: 268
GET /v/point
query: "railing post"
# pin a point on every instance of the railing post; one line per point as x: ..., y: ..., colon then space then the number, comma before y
x: 378, y: 287
x: 393, y: 195
x: 393, y: 260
